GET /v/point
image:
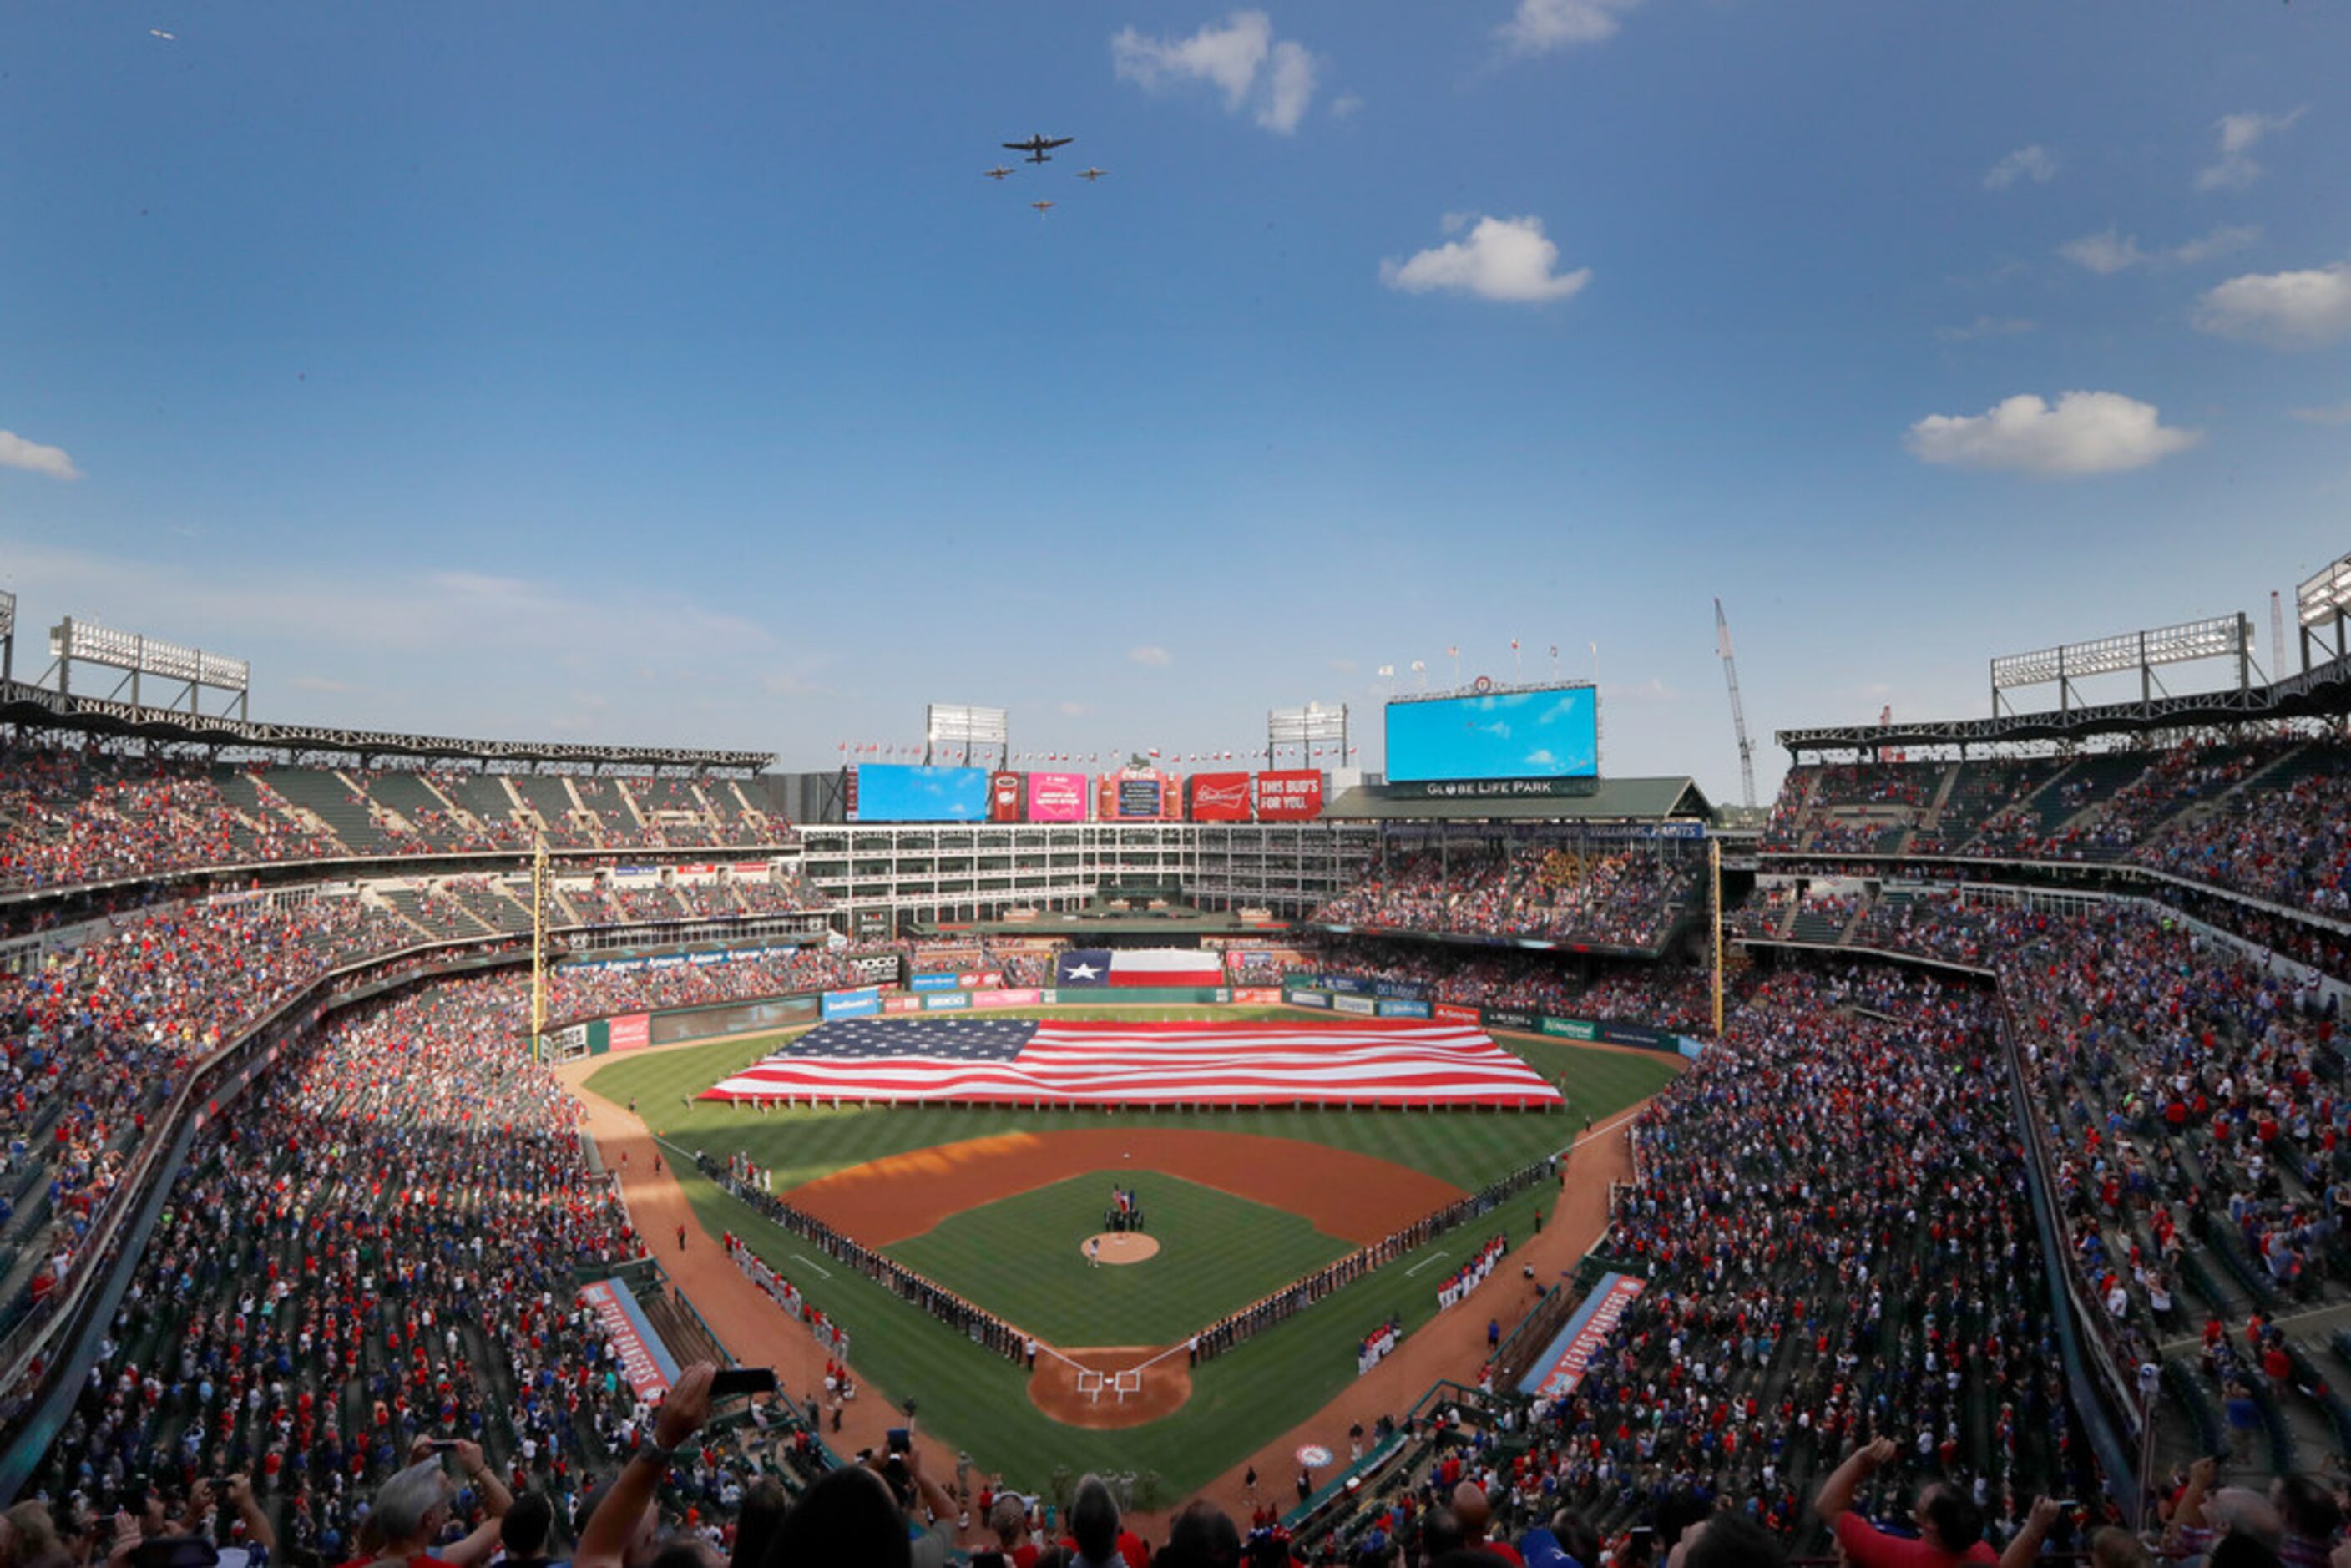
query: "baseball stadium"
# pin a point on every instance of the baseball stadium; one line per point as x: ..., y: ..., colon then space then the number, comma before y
x: 849, y: 786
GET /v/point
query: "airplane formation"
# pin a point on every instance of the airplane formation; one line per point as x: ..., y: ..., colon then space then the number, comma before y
x: 1040, y: 149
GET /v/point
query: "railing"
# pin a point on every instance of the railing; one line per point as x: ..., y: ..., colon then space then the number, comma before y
x: 44, y: 1359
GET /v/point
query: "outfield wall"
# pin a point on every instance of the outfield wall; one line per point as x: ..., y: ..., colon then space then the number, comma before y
x: 1338, y: 994
x: 1368, y: 998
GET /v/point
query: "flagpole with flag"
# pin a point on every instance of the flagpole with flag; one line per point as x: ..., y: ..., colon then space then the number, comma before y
x: 1455, y: 654
x: 1517, y: 666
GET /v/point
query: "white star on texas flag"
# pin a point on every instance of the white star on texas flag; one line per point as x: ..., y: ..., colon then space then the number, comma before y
x: 1082, y: 971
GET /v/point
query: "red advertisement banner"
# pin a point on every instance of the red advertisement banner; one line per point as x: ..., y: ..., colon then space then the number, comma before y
x: 1057, y: 797
x: 901, y: 1004
x: 1289, y: 797
x: 1220, y: 797
x: 1257, y: 996
x: 1003, y: 797
x: 1007, y: 998
x: 632, y: 1032
x: 1448, y: 1013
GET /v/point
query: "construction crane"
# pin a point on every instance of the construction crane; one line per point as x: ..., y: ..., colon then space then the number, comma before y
x: 1738, y: 709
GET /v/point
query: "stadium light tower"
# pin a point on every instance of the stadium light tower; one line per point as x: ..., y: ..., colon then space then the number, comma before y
x: 952, y: 725
x: 1306, y: 727
x: 2322, y: 600
x: 191, y: 670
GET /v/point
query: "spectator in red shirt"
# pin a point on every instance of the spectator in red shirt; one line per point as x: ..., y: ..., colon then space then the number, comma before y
x: 1951, y: 1526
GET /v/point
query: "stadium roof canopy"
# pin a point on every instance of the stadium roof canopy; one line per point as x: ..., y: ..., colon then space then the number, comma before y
x: 1612, y: 801
x: 24, y: 704
x: 2323, y: 691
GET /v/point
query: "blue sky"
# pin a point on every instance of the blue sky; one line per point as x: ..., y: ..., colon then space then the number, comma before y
x: 671, y: 374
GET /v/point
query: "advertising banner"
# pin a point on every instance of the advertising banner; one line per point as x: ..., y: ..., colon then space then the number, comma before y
x: 1347, y: 985
x: 1571, y: 1029
x: 1220, y: 797
x: 1564, y: 1364
x: 941, y: 982
x: 1497, y: 1018
x: 1007, y: 998
x: 1362, y: 1006
x: 1635, y: 1034
x: 630, y: 1032
x: 1392, y: 1008
x: 1257, y: 996
x: 907, y: 1004
x: 1300, y: 997
x: 1057, y: 797
x: 1004, y: 797
x: 1139, y: 799
x: 1452, y: 1013
x: 979, y: 979
x: 946, y: 1001
x: 644, y: 1359
x: 1403, y: 990
x: 1290, y: 796
x: 863, y: 1003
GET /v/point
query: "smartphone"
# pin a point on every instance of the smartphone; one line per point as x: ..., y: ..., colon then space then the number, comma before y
x: 899, y: 1439
x: 736, y: 1381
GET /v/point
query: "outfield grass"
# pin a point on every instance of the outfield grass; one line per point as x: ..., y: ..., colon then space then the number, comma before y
x: 1022, y: 1258
x: 1239, y: 1401
x: 1468, y: 1149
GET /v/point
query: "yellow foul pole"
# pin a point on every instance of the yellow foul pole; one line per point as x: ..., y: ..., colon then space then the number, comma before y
x: 1714, y: 871
x: 539, y: 950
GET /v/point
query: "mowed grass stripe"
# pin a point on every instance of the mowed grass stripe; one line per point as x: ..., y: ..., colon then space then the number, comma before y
x: 1239, y: 1402
x: 1022, y: 1258
x: 1463, y: 1147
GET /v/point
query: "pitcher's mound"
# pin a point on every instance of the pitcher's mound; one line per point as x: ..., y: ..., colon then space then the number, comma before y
x: 1104, y: 1389
x: 1122, y: 1246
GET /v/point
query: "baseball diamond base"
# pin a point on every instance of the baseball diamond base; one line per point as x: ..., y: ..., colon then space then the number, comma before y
x: 1122, y: 1246
x: 1105, y: 1389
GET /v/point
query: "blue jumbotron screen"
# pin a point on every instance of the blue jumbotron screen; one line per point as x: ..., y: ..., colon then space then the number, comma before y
x: 893, y: 793
x: 1552, y: 734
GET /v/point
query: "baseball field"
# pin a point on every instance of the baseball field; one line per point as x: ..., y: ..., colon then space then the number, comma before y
x: 996, y: 1205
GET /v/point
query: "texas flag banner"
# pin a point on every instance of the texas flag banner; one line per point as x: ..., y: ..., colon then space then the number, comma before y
x: 1093, y: 1061
x: 1083, y: 967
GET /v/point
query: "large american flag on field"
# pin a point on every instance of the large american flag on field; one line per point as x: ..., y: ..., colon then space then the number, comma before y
x: 1017, y: 1062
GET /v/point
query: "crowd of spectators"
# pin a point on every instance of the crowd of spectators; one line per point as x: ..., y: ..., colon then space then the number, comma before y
x: 71, y: 815
x: 2290, y: 846
x: 1531, y: 891
x: 592, y: 990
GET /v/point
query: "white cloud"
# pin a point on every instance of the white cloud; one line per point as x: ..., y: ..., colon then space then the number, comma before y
x: 1072, y: 710
x: 2240, y: 134
x: 1273, y: 80
x: 2110, y: 253
x: 1986, y: 326
x: 2338, y: 414
x: 2033, y: 164
x: 15, y: 451
x: 2104, y: 254
x: 1346, y: 105
x: 1156, y: 657
x: 1539, y: 26
x: 2084, y: 432
x: 1503, y: 258
x: 2283, y: 310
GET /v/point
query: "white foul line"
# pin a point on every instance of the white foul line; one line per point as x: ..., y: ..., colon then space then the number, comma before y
x: 813, y: 1264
